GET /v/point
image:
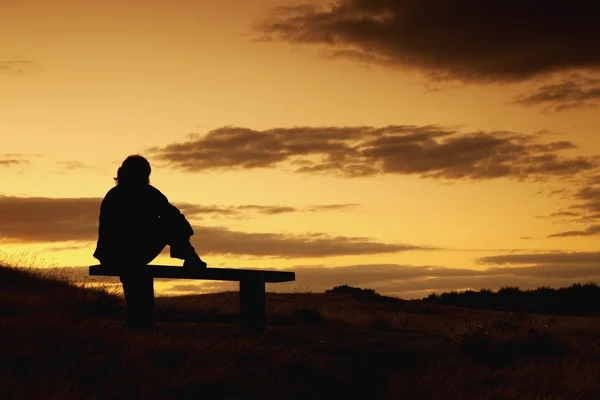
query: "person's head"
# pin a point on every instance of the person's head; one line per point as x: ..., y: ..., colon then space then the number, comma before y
x: 135, y: 170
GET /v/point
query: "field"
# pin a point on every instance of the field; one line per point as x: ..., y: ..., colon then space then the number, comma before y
x: 59, y: 341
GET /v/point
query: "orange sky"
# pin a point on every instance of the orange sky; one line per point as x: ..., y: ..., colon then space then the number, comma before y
x: 84, y: 84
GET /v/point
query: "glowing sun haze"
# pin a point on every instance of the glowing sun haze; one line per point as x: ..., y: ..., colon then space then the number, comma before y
x: 378, y: 144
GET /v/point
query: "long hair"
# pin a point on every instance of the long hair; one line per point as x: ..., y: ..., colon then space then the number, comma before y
x: 135, y: 170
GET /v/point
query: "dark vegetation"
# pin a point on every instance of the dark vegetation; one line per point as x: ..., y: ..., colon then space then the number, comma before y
x: 577, y: 299
x: 60, y: 341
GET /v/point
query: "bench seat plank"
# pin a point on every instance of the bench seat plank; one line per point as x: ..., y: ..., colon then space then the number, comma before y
x: 213, y: 274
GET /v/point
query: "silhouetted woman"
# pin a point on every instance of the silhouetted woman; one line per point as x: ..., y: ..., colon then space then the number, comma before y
x: 136, y: 223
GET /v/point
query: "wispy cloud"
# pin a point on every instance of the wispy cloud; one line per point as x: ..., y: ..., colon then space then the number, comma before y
x: 72, y: 165
x: 251, y: 210
x: 427, y: 151
x: 583, y: 208
x: 592, y: 230
x: 13, y: 159
x: 222, y: 241
x: 589, y: 197
x: 16, y: 66
x: 560, y: 214
x: 566, y: 259
x: 574, y: 92
x: 463, y: 40
x: 65, y: 248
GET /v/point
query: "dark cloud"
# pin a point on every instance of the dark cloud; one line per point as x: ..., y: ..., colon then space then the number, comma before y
x: 16, y: 66
x: 576, y: 92
x: 427, y: 151
x: 38, y: 219
x: 41, y: 219
x: 465, y: 40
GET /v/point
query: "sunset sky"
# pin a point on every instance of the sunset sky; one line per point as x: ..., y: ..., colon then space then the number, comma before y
x: 406, y: 146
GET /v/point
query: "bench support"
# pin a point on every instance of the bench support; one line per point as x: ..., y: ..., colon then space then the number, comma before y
x: 252, y: 287
x: 252, y: 307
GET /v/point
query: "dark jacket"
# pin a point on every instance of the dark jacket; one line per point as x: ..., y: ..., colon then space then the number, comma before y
x: 132, y: 218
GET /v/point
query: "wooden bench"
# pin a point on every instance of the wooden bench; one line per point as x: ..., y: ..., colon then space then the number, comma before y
x: 252, y: 287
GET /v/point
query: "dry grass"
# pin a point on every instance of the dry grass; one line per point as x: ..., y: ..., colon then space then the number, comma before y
x: 60, y: 342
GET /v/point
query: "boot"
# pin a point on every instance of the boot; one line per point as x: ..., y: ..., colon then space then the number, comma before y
x: 194, y: 262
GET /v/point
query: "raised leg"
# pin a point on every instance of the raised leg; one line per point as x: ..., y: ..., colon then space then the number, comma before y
x: 252, y: 307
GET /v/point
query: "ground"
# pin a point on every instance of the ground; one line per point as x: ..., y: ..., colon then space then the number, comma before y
x: 60, y: 341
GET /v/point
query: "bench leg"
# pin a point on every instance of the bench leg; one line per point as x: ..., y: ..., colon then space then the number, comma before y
x: 139, y: 296
x: 252, y: 307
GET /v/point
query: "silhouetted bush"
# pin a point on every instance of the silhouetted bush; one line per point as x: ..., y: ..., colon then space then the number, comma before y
x: 578, y: 299
x: 355, y: 292
x: 395, y: 303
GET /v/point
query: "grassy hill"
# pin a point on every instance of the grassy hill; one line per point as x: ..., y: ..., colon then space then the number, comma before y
x: 59, y: 341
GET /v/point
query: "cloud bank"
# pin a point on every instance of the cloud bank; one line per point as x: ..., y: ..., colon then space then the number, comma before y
x: 427, y: 151
x: 222, y: 241
x: 41, y: 220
